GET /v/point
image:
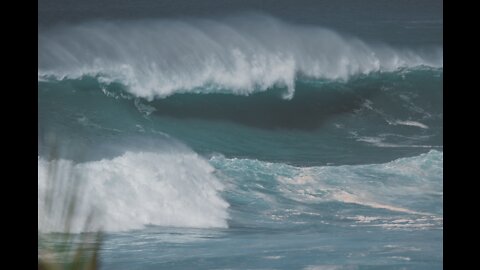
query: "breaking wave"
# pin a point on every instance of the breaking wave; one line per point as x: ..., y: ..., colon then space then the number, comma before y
x: 239, y: 55
x: 129, y: 192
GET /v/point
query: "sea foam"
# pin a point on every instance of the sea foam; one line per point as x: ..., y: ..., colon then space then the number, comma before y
x: 129, y: 192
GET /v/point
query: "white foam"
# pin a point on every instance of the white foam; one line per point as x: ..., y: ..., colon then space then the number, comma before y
x: 331, y: 267
x: 408, y: 123
x: 401, y: 258
x: 364, y: 219
x: 144, y: 108
x: 423, y: 221
x: 347, y: 197
x: 272, y: 257
x: 380, y: 142
x: 131, y: 191
x: 393, y: 186
x: 239, y: 55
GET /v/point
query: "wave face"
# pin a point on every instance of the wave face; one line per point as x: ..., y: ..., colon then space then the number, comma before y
x: 404, y: 194
x: 129, y: 192
x: 410, y: 185
x: 239, y: 55
x: 382, y: 116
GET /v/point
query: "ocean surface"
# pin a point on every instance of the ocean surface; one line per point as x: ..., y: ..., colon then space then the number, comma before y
x: 245, y: 134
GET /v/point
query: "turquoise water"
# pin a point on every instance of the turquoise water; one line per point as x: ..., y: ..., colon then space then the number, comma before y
x: 247, y: 140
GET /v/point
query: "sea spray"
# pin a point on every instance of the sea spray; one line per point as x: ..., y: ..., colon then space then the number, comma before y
x: 241, y: 55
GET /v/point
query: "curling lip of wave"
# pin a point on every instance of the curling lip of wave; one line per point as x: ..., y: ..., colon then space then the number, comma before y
x: 244, y: 54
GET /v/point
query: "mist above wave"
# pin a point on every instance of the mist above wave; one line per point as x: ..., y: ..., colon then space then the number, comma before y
x: 239, y: 55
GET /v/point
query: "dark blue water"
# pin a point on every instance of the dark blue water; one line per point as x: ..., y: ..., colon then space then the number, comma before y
x: 247, y: 135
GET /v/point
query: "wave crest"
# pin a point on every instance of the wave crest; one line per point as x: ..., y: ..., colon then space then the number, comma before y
x: 239, y: 55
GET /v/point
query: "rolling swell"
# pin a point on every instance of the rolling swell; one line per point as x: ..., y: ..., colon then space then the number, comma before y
x: 239, y: 55
x: 396, y: 111
x: 283, y: 195
x: 315, y: 102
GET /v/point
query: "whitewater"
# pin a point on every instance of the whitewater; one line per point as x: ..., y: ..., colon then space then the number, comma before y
x: 157, y: 58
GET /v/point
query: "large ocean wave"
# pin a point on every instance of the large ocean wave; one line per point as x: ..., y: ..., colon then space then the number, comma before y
x: 400, y: 98
x: 400, y: 110
x: 239, y: 55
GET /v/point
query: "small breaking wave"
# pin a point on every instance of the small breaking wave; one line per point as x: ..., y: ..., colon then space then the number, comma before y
x: 129, y: 192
